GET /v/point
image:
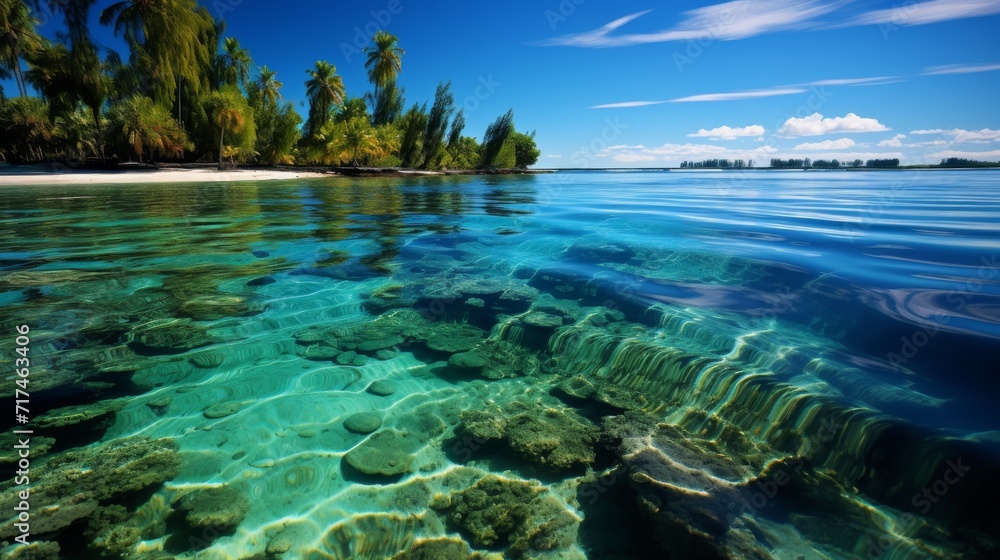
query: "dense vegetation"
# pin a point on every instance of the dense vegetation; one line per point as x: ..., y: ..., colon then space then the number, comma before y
x: 831, y: 164
x: 186, y: 92
x: 717, y: 164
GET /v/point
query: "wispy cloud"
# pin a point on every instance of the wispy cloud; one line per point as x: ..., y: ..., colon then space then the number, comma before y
x: 734, y: 96
x: 876, y: 81
x: 894, y: 142
x: 627, y: 104
x: 922, y: 13
x: 991, y: 155
x: 841, y: 144
x: 729, y: 133
x: 815, y: 125
x: 962, y: 136
x: 959, y: 68
x: 725, y: 22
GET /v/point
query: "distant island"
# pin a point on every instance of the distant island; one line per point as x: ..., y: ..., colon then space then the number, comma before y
x: 893, y: 163
x: 185, y: 93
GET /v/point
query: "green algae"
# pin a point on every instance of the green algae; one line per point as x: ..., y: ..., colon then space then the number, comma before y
x: 220, y: 507
x: 387, y: 453
x: 551, y: 438
x: 501, y: 513
x: 363, y: 422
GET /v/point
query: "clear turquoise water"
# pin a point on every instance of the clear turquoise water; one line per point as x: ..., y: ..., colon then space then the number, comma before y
x: 778, y: 364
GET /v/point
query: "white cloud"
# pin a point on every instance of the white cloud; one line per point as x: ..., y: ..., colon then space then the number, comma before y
x: 729, y: 133
x: 759, y: 139
x: 961, y: 136
x: 815, y: 125
x: 932, y: 11
x: 724, y: 22
x: 959, y: 69
x: 841, y: 144
x: 989, y: 156
x: 978, y: 136
x: 894, y: 142
x: 553, y: 156
x: 627, y: 104
x: 754, y: 94
x: 677, y: 152
x: 879, y: 80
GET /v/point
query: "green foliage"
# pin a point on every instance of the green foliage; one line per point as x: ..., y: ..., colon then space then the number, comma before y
x: 76, y: 135
x: 411, y: 144
x: 437, y: 125
x: 507, y: 158
x: 25, y: 129
x: 277, y: 132
x: 233, y: 65
x: 525, y: 151
x: 353, y: 108
x: 457, y: 126
x: 231, y: 114
x: 325, y: 90
x: 463, y: 154
x: 169, y: 39
x: 138, y: 125
x: 387, y: 104
x: 17, y: 39
x: 384, y: 60
x: 495, y: 142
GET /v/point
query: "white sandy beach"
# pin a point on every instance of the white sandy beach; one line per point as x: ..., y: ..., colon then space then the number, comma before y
x: 22, y: 177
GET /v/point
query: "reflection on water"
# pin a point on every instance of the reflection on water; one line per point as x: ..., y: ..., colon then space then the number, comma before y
x: 563, y: 366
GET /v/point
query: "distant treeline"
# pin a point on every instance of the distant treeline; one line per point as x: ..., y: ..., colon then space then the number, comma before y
x: 717, y: 164
x: 831, y: 164
x: 962, y: 162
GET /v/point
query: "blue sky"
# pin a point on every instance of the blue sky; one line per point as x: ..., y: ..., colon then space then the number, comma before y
x: 610, y: 84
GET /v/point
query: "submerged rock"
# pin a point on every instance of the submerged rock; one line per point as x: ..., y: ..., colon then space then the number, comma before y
x: 382, y: 388
x: 101, y: 474
x: 168, y: 336
x: 363, y: 422
x: 467, y: 361
x: 454, y: 337
x: 441, y: 549
x: 223, y: 409
x: 78, y: 414
x: 497, y: 512
x: 222, y: 508
x: 387, y: 453
x: 547, y: 437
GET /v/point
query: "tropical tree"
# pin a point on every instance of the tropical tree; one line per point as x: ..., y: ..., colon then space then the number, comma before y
x: 457, y: 126
x: 387, y: 105
x: 25, y: 129
x: 139, y: 124
x: 437, y: 125
x: 229, y: 111
x: 325, y: 90
x: 233, y: 64
x: 385, y: 59
x: 464, y: 154
x: 411, y: 143
x: 495, y: 139
x: 171, y: 38
x: 268, y: 85
x: 353, y: 108
x: 525, y: 151
x: 17, y: 38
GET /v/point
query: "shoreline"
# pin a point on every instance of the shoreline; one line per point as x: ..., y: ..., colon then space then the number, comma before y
x: 49, y: 175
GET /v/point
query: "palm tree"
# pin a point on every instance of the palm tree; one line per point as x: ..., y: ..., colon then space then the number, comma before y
x: 17, y: 38
x: 234, y: 63
x: 171, y: 35
x: 325, y: 89
x: 229, y: 111
x: 269, y: 85
x: 384, y: 59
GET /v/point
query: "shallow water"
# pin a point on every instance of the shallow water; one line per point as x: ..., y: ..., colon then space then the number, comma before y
x: 746, y: 365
